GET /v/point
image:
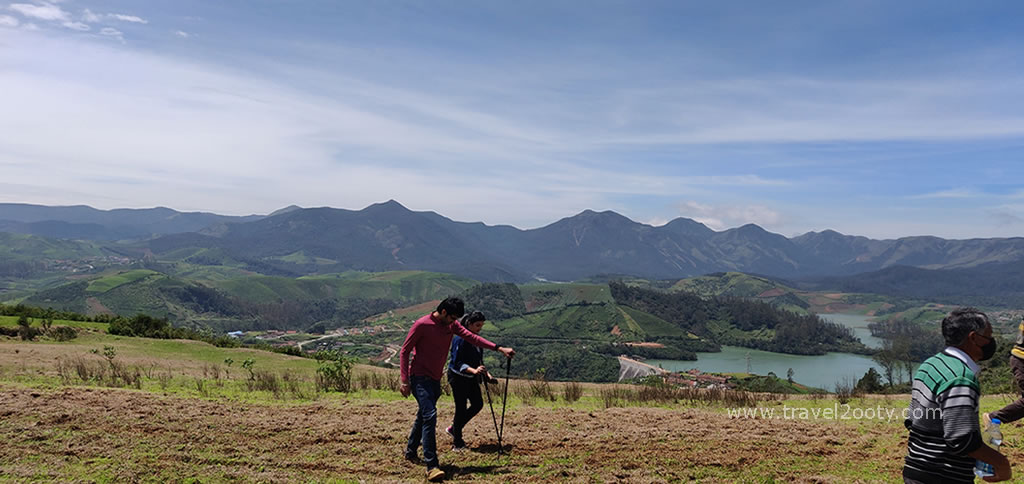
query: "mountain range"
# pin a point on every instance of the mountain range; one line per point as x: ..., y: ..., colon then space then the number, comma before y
x: 388, y: 236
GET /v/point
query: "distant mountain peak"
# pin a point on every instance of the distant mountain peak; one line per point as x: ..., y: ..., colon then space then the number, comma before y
x: 289, y: 208
x: 390, y: 206
x: 391, y: 203
x: 751, y: 229
x: 602, y: 215
x: 688, y: 226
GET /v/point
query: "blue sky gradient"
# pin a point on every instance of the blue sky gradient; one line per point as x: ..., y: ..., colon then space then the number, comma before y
x: 884, y: 119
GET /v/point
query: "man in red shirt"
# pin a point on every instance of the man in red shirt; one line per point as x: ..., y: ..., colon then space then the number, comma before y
x: 422, y: 361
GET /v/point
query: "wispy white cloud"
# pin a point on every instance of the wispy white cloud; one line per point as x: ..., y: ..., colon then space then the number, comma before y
x: 721, y: 217
x: 656, y: 221
x: 182, y: 34
x: 79, y: 26
x: 113, y: 33
x: 951, y: 193
x: 8, y: 21
x: 128, y: 18
x: 41, y: 11
x: 88, y: 16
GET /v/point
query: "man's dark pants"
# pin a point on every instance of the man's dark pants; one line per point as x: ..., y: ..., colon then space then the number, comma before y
x: 426, y: 391
x: 464, y: 389
x: 1015, y: 410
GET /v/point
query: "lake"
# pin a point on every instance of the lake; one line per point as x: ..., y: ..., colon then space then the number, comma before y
x: 859, y: 324
x: 817, y: 371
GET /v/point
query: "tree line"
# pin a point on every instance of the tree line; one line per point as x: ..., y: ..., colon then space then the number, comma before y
x: 793, y: 333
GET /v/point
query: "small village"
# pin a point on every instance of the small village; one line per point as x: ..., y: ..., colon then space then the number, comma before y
x: 695, y: 378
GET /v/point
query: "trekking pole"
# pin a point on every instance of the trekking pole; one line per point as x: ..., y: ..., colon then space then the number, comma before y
x: 493, y: 417
x: 504, y: 401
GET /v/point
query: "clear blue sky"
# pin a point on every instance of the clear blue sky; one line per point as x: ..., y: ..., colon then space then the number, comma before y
x: 883, y: 119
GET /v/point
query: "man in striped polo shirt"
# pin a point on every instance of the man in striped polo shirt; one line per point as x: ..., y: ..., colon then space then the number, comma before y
x: 945, y: 438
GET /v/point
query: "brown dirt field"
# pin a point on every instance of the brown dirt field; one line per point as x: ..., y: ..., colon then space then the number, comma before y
x: 772, y: 292
x: 415, y: 311
x: 96, y: 307
x: 73, y: 433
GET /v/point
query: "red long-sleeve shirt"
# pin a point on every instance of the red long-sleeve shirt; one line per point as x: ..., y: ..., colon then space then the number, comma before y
x: 430, y: 339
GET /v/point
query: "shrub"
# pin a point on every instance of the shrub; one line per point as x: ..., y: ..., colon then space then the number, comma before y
x: 62, y: 333
x: 334, y: 372
x: 845, y: 390
x: 572, y: 391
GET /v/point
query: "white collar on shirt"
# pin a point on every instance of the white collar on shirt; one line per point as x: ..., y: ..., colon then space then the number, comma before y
x: 959, y: 353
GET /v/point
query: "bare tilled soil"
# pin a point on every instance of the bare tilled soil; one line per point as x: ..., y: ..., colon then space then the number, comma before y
x: 92, y: 434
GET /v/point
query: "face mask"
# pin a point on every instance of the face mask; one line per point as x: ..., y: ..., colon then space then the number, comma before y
x: 988, y: 350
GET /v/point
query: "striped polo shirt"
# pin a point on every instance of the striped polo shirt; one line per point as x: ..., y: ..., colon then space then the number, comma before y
x: 943, y: 419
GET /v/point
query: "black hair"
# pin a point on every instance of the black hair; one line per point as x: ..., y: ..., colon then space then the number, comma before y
x: 453, y: 306
x: 473, y: 317
x: 960, y: 323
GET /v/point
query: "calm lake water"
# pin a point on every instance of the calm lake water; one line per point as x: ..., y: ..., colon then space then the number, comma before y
x: 816, y: 371
x: 859, y: 325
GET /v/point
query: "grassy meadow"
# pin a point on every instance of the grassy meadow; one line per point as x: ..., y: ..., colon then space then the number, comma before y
x: 189, y: 411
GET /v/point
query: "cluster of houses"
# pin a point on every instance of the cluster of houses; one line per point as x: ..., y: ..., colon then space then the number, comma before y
x: 697, y: 379
x: 362, y: 330
x: 83, y: 265
x: 273, y: 334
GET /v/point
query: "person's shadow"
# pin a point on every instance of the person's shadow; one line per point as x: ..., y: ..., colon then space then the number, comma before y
x: 452, y: 471
x: 505, y: 449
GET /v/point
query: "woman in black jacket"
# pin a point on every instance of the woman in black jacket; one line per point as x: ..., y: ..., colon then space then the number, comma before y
x: 465, y: 370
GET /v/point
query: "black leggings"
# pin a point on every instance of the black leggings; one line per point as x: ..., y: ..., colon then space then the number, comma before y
x: 464, y: 390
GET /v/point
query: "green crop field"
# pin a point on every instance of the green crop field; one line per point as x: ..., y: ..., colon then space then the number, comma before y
x: 13, y: 321
x: 542, y: 297
x: 106, y: 283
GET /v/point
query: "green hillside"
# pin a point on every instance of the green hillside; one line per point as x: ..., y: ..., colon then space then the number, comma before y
x: 728, y: 284
x: 252, y: 302
x: 602, y: 322
x: 22, y: 247
x: 106, y: 283
x: 404, y: 286
x: 542, y: 297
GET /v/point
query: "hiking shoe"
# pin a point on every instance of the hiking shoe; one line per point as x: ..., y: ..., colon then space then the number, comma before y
x: 435, y: 475
x: 460, y: 446
x: 449, y: 432
x: 412, y: 458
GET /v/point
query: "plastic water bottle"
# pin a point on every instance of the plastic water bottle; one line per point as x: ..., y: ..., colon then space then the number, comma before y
x: 993, y: 437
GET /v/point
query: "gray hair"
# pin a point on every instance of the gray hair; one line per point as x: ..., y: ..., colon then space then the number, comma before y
x: 960, y: 323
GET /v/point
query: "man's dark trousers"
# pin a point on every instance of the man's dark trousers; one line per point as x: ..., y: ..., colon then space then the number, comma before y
x: 426, y: 391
